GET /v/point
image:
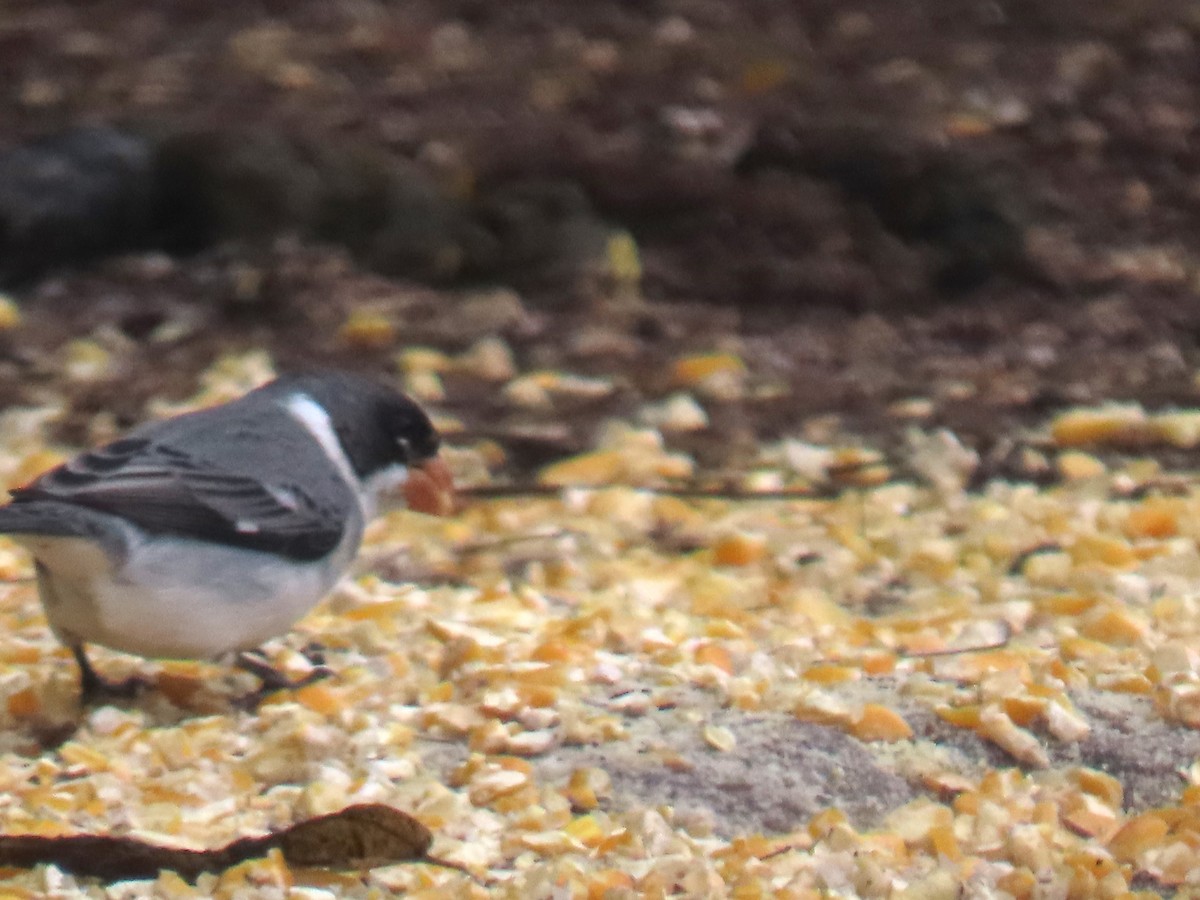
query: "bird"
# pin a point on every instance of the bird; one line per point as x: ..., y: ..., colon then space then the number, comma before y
x: 207, y: 534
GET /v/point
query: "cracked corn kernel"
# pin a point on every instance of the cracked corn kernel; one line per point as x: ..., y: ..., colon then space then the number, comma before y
x: 1090, y: 816
x: 824, y: 822
x: 858, y: 467
x: 319, y: 698
x: 1023, y: 746
x: 1180, y: 429
x: 1138, y: 835
x: 1051, y: 569
x: 490, y: 359
x: 1114, y: 626
x: 366, y: 330
x: 1113, y: 424
x: 10, y: 313
x: 823, y: 709
x: 608, y: 884
x: 24, y: 703
x: 1108, y: 551
x: 944, y: 842
x: 1025, y: 710
x: 739, y: 549
x: 1065, y: 604
x: 691, y: 371
x: 422, y: 359
x: 425, y: 386
x: 600, y: 467
x: 966, y: 716
x: 622, y: 258
x: 1019, y: 883
x: 86, y: 360
x: 531, y: 743
x: 678, y: 413
x: 585, y: 788
x: 878, y: 723
x: 586, y: 830
x: 720, y: 738
x: 1156, y: 517
x: 1065, y: 723
x: 1100, y: 784
x: 915, y: 821
x: 827, y: 673
x: 1074, y: 465
x: 876, y: 664
x: 714, y: 654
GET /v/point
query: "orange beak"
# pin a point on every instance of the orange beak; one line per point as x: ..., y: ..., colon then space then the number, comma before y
x: 430, y: 488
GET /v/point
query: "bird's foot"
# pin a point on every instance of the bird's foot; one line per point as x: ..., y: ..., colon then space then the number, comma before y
x: 93, y: 689
x: 272, y: 680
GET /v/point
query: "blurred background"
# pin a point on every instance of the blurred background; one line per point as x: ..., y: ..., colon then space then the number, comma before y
x: 725, y: 220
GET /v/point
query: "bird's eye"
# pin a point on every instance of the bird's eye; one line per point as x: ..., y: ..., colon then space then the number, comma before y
x: 405, y: 446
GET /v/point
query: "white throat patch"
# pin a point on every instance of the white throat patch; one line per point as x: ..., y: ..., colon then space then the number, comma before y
x: 385, y: 486
x: 309, y: 413
x: 313, y: 417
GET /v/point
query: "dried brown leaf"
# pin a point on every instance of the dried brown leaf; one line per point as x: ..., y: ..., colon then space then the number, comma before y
x: 358, y: 837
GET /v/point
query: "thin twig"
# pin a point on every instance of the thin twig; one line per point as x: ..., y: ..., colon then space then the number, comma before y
x: 492, y: 492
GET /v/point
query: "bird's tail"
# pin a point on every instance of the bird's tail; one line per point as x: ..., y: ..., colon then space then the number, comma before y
x: 49, y: 518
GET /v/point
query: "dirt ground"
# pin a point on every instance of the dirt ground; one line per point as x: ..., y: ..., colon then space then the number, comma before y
x: 960, y: 215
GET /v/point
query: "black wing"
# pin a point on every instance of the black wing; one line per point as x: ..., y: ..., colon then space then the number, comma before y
x: 167, y: 491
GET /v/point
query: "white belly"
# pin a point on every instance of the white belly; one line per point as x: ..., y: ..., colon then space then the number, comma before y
x: 164, y: 602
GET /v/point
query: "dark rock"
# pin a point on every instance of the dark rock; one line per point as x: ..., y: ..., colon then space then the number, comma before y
x: 72, y: 197
x: 920, y: 193
x: 248, y: 184
x: 545, y: 231
x: 253, y: 184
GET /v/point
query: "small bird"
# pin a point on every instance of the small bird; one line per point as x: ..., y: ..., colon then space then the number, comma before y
x: 211, y: 532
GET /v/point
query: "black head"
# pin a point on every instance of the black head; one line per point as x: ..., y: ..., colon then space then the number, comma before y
x: 377, y: 425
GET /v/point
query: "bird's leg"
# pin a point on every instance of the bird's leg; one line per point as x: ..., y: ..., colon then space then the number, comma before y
x: 271, y: 679
x: 93, y: 688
